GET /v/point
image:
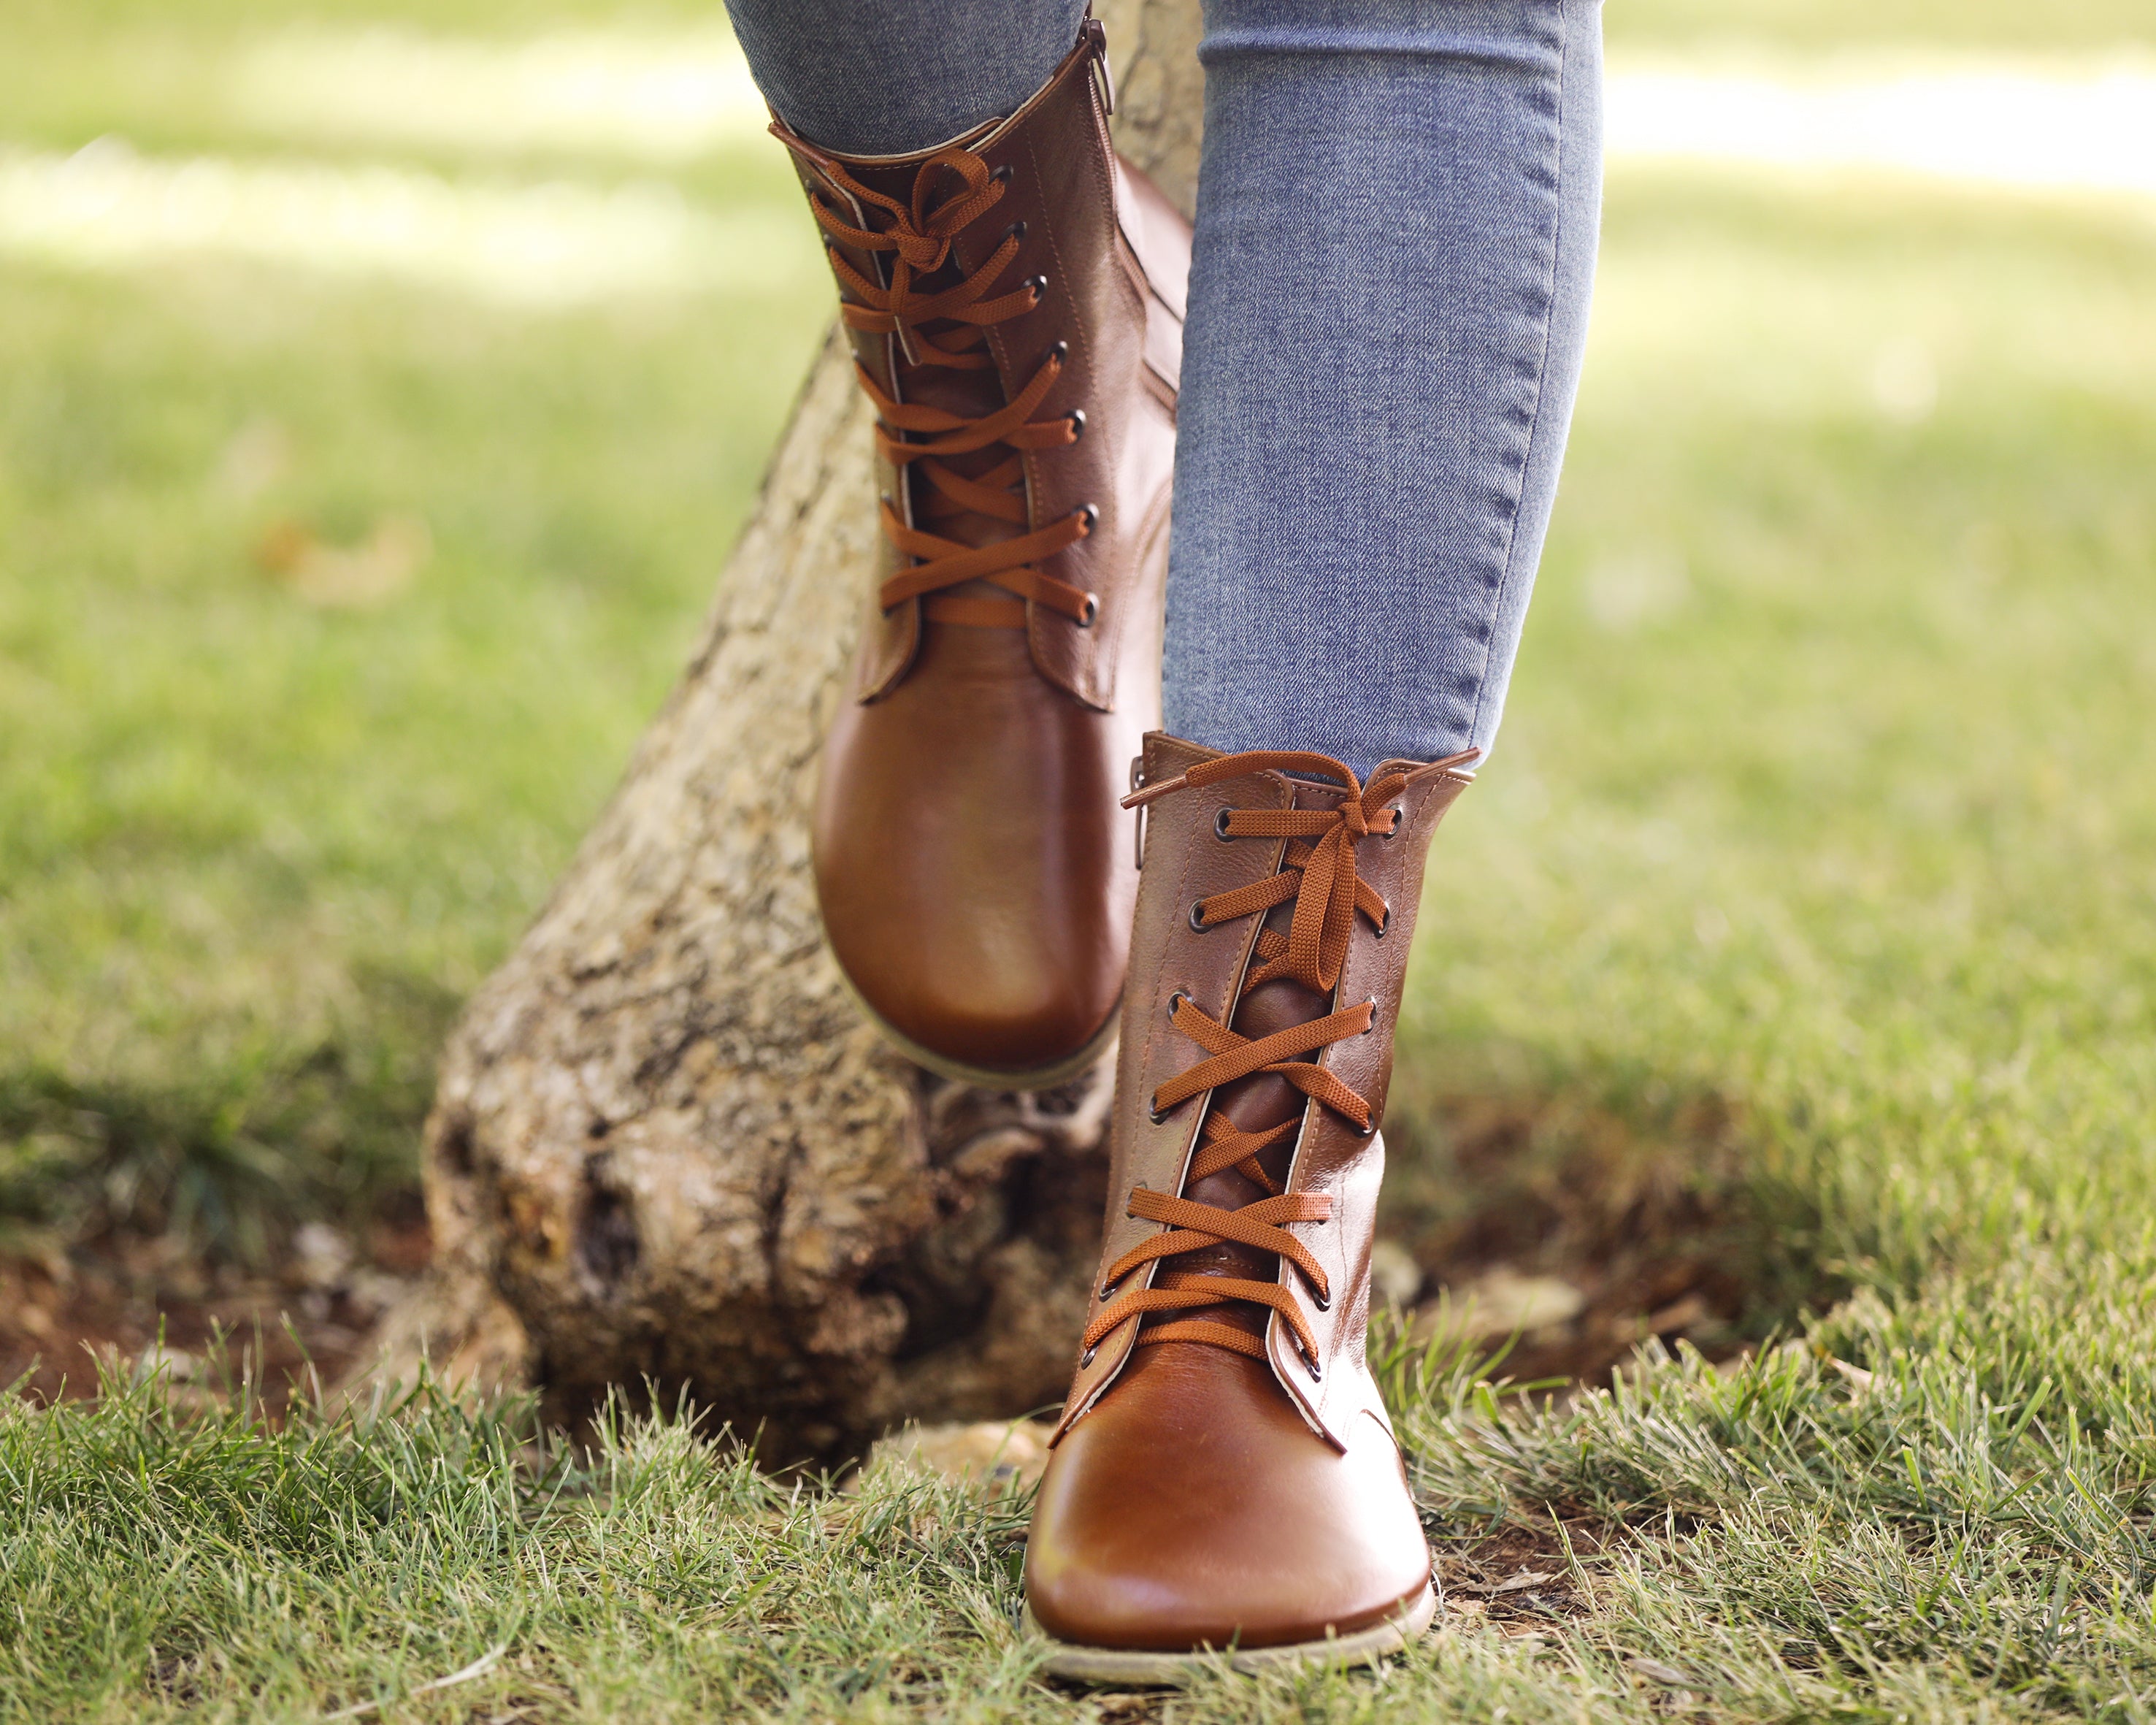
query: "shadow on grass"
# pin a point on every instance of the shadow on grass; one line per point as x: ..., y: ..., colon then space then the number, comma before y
x: 1643, y: 1208
x: 227, y: 1152
x: 181, y: 1205
x: 127, y: 1207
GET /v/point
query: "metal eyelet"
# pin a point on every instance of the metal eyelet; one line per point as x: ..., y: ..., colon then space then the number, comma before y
x: 1198, y: 923
x: 1323, y: 1302
x: 1176, y: 999
x: 1058, y: 351
x: 1220, y: 824
x: 1038, y: 283
x: 1158, y: 1116
x: 1384, y: 922
x: 1077, y: 423
x: 1310, y: 1364
x: 1091, y: 512
x: 1015, y: 231
x: 1092, y: 609
x: 1372, y: 1003
x: 1107, y: 1292
x: 1400, y: 820
x: 1085, y: 1359
x: 1001, y: 175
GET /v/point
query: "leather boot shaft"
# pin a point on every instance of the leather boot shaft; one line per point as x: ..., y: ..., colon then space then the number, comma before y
x: 1014, y: 300
x: 1176, y: 957
x: 1107, y: 261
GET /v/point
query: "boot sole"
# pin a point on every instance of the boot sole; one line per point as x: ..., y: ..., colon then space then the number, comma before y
x: 987, y: 1078
x: 1114, y: 1665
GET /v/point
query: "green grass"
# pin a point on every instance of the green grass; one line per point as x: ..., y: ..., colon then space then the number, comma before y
x: 253, y: 852
x: 1821, y: 784
x: 1781, y: 1543
x: 1822, y: 809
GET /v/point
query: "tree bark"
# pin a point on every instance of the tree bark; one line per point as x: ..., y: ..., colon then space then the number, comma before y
x: 664, y: 1147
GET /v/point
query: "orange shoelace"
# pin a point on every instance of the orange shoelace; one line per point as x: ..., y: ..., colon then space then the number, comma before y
x: 1318, y: 871
x: 946, y: 327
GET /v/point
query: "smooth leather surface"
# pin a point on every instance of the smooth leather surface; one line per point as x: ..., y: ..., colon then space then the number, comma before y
x: 974, y: 873
x: 1314, y: 1529
x: 1194, y: 1507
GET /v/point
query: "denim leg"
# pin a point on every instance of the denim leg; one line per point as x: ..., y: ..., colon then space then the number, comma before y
x: 888, y: 77
x: 1396, y: 212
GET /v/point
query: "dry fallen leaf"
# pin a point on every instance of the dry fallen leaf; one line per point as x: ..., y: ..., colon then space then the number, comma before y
x: 348, y: 577
x: 1858, y: 1377
x: 1001, y: 1453
x: 1511, y: 1584
x: 1498, y: 1305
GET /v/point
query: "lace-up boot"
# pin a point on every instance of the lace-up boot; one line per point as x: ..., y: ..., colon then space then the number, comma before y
x: 1224, y: 1476
x: 1014, y: 299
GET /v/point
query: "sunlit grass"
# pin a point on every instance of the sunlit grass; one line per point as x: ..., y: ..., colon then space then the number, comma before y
x: 1818, y: 783
x: 243, y: 837
x: 548, y: 246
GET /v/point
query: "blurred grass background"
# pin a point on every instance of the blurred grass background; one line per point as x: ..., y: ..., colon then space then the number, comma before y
x: 253, y: 851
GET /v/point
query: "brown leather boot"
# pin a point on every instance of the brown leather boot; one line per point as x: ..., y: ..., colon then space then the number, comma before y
x: 1225, y: 1476
x: 1015, y: 302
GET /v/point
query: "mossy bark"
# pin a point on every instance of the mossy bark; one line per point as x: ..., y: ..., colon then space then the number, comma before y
x: 664, y: 1147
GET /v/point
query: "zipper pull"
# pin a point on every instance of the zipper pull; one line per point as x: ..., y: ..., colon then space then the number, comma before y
x: 1097, y: 38
x: 1137, y: 784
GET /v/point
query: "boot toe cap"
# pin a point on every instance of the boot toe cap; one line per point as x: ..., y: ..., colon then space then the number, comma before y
x: 974, y: 873
x: 974, y: 1010
x: 1201, y: 1511
x: 992, y: 974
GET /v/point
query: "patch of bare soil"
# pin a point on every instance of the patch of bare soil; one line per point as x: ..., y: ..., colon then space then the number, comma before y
x: 1562, y: 1229
x: 109, y: 1300
x: 1518, y: 1580
x: 1572, y: 1232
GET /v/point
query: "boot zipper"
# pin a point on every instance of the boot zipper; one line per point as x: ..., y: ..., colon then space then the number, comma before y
x: 1097, y: 38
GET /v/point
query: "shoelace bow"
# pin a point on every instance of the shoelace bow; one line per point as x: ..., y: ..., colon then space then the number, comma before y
x: 912, y: 435
x: 1318, y: 871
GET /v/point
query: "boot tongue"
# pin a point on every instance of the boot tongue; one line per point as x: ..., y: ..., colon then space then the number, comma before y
x: 1254, y: 1103
x: 971, y: 394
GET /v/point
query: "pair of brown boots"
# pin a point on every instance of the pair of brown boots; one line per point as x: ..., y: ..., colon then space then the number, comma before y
x: 1224, y: 1477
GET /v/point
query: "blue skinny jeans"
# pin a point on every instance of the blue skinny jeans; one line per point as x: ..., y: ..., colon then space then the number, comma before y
x: 1397, y: 211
